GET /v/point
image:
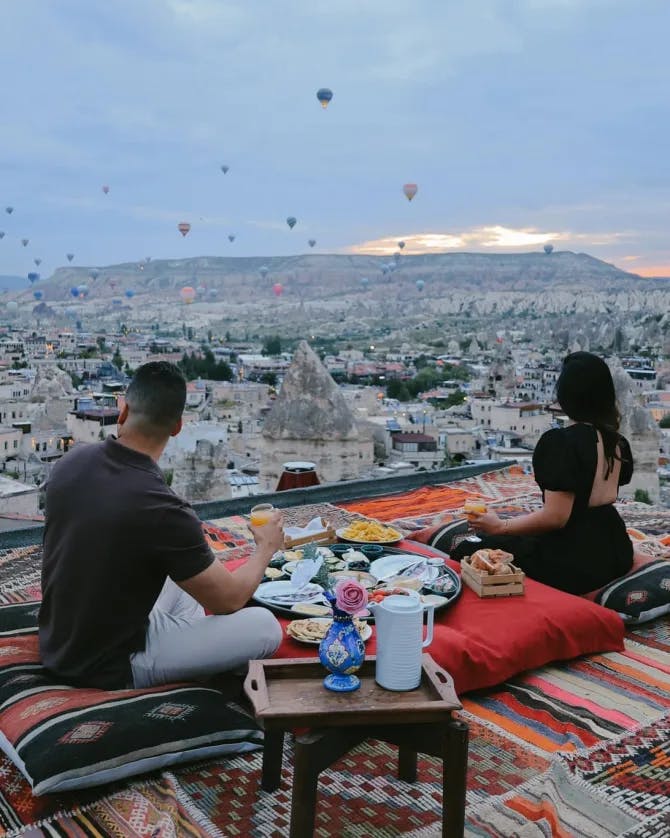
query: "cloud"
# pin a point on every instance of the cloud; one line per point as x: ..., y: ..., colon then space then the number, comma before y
x: 480, y: 238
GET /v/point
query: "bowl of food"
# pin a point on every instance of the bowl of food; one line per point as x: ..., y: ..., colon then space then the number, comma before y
x: 369, y: 532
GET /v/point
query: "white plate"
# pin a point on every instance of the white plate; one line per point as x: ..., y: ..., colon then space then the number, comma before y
x: 269, y: 591
x: 389, y: 566
x: 365, y: 632
x: 340, y: 534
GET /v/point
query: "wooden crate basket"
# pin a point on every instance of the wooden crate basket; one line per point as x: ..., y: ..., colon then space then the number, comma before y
x: 325, y: 536
x: 487, y: 585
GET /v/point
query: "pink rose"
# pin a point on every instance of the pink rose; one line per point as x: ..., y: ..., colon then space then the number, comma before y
x: 350, y: 596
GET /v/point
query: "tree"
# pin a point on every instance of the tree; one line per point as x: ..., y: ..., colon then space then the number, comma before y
x: 102, y: 344
x: 397, y: 389
x: 642, y: 496
x: 665, y: 421
x: 269, y: 378
x: 117, y: 359
x: 272, y: 345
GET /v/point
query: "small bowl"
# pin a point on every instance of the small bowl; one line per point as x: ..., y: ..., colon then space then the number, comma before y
x: 372, y: 551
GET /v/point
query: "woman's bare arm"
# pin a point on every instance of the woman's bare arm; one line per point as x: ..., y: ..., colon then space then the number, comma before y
x: 554, y: 515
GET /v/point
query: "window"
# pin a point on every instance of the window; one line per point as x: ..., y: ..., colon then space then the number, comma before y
x: 16, y: 444
x: 5, y: 445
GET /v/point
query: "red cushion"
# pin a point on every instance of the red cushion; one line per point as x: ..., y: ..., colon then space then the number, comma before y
x: 483, y: 642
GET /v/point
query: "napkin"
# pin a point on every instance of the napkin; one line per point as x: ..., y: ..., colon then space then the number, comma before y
x: 316, y: 525
x: 305, y: 571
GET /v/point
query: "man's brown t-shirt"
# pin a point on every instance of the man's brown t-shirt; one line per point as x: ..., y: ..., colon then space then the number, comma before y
x: 114, y: 532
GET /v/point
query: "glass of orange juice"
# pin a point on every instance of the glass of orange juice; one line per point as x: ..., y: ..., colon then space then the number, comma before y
x: 470, y: 507
x: 260, y: 514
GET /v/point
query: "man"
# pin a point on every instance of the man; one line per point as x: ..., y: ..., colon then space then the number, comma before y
x: 116, y: 541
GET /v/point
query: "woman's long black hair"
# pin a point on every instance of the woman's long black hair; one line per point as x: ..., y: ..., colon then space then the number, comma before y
x: 585, y: 391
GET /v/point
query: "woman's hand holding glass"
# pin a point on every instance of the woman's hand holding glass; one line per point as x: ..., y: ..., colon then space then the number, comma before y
x: 487, y: 522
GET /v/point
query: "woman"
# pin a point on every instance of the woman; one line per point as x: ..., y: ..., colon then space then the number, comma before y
x: 577, y: 542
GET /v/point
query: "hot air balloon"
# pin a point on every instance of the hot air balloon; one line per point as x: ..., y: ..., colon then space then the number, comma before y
x: 384, y: 268
x: 83, y: 290
x: 105, y: 189
x: 70, y: 256
x: 396, y: 257
x: 324, y: 95
x: 2, y: 234
x: 410, y: 190
x: 129, y: 293
x: 264, y: 271
x: 225, y: 169
x: 277, y: 289
x: 187, y: 294
x: 548, y: 248
x: 33, y: 277
x: 74, y: 292
x: 24, y: 242
x: 364, y: 281
x: 12, y: 306
x: 419, y: 284
x: 94, y: 273
x: 38, y: 294
x: 311, y: 242
x: 71, y: 311
x: 37, y: 261
x: 184, y: 228
x: 213, y: 292
x: 291, y: 221
x: 147, y: 259
x: 9, y: 210
x: 231, y: 238
x: 401, y: 245
x: 201, y: 290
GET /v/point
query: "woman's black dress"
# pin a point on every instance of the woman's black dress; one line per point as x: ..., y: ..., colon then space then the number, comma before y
x: 593, y: 548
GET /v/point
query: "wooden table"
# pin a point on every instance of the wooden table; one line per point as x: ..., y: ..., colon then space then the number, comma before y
x: 289, y: 694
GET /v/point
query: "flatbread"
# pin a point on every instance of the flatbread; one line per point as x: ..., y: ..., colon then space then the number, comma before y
x: 312, y: 608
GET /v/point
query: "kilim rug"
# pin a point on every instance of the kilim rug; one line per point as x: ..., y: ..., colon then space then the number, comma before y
x: 577, y: 749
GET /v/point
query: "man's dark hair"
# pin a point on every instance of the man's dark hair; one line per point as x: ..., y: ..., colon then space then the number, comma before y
x: 156, y: 397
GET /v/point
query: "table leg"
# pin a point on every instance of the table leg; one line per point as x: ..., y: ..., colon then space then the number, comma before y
x: 406, y: 764
x: 305, y: 783
x: 454, y: 778
x: 273, y: 749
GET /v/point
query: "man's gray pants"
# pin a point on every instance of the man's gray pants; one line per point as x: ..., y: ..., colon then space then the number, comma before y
x: 183, y: 644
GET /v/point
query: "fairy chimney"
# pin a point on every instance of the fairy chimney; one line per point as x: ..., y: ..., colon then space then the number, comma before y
x: 311, y: 421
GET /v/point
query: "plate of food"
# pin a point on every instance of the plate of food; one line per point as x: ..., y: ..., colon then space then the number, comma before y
x: 404, y: 566
x: 315, y: 629
x: 369, y: 532
x: 283, y: 594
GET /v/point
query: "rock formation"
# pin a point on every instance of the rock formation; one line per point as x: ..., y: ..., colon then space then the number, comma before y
x: 202, y: 475
x: 641, y: 431
x: 310, y: 420
x: 51, y: 382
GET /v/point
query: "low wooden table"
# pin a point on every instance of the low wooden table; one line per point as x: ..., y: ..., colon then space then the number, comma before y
x: 288, y: 694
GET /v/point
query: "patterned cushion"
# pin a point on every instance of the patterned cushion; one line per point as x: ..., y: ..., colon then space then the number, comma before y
x: 640, y: 595
x: 62, y: 738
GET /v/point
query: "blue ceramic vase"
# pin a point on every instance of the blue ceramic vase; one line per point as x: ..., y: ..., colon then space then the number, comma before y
x: 342, y: 652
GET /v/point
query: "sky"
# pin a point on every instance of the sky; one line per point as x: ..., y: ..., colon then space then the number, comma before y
x: 523, y: 122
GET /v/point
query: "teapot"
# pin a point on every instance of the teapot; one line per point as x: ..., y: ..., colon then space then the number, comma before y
x: 399, y: 624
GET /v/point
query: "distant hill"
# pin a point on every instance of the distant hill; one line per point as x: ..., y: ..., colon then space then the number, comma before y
x: 319, y: 276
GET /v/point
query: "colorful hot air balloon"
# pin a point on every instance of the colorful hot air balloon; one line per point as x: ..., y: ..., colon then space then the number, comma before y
x: 94, y: 273
x: 24, y: 242
x: 38, y: 294
x: 83, y: 290
x: 548, y: 248
x: 37, y: 261
x: 231, y: 238
x: 129, y: 293
x: 187, y: 294
x: 9, y: 210
x: 410, y: 190
x: 184, y: 228
x: 105, y: 189
x: 401, y: 245
x: 277, y: 289
x: 264, y: 271
x: 70, y: 256
x: 2, y: 234
x: 33, y: 277
x: 225, y: 169
x: 291, y: 221
x: 419, y: 284
x: 324, y: 95
x: 74, y: 292
x: 311, y: 242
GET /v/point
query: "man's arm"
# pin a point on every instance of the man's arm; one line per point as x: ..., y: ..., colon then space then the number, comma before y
x: 222, y: 592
